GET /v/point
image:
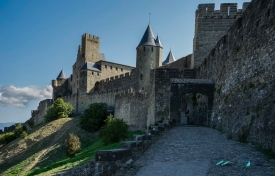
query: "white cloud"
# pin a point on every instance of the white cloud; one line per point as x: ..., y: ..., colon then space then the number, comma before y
x: 20, y: 96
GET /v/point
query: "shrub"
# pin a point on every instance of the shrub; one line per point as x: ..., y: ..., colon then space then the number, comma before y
x: 93, y: 117
x: 24, y: 134
x: 114, y: 131
x: 59, y: 109
x: 18, y: 130
x: 72, y: 145
x: 30, y: 122
x: 10, y: 136
x: 2, y: 139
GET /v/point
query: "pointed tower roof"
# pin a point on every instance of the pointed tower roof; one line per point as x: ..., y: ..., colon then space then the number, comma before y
x: 61, y: 75
x: 148, y: 38
x: 170, y: 58
x: 157, y: 41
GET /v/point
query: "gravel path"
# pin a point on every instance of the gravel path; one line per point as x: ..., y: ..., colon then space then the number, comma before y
x: 194, y: 151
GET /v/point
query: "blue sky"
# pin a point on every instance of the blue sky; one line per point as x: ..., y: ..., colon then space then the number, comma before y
x: 39, y: 38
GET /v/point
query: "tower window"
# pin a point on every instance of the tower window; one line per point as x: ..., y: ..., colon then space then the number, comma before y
x: 121, y: 69
x: 152, y: 49
x: 111, y: 67
x: 106, y: 66
x: 97, y: 74
x: 141, y: 76
x: 92, y: 73
x: 116, y: 68
x: 143, y: 48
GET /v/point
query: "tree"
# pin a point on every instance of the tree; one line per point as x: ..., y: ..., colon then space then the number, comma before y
x: 114, y: 131
x: 18, y: 130
x: 72, y: 145
x: 59, y: 109
x: 93, y: 117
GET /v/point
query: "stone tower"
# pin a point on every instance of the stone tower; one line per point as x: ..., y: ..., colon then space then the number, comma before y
x: 60, y: 86
x: 88, y: 54
x: 210, y: 26
x: 149, y: 56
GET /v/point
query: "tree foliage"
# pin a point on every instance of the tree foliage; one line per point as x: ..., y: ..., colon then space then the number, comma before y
x: 93, y: 117
x: 72, y: 145
x: 114, y: 131
x: 18, y: 130
x: 59, y: 109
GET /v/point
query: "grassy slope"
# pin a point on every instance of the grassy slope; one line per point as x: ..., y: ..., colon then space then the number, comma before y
x: 43, y: 151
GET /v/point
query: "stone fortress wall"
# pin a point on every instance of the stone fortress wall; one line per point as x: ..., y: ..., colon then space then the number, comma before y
x: 243, y: 66
x: 210, y: 25
x: 38, y: 114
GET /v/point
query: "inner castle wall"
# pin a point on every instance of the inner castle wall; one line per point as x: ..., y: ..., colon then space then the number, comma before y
x: 243, y: 67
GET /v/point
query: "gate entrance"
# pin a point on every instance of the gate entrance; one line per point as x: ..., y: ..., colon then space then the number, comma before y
x: 196, y: 95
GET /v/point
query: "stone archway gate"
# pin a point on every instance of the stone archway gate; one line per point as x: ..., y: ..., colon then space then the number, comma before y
x: 181, y: 86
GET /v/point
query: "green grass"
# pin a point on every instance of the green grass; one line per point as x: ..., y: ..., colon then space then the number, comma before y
x: 86, y: 154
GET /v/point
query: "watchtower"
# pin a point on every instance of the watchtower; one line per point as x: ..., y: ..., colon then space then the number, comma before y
x: 210, y: 26
x: 149, y: 56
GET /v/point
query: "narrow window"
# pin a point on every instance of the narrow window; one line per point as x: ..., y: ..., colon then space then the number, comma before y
x: 152, y: 49
x: 228, y: 11
x: 140, y: 59
x: 143, y: 48
x: 97, y: 74
x: 106, y: 66
x: 92, y: 73
x: 111, y: 67
x: 121, y: 69
x: 141, y: 76
x: 116, y: 68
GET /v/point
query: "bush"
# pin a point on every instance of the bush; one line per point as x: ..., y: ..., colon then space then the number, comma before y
x: 72, y: 145
x: 59, y: 109
x: 2, y: 139
x: 18, y: 130
x: 24, y: 134
x: 93, y: 117
x: 114, y: 131
x: 10, y: 136
x: 30, y: 122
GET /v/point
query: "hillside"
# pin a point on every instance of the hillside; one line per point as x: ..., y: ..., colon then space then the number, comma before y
x: 43, y: 146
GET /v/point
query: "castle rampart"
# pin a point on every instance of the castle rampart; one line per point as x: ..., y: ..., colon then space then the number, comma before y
x: 243, y: 66
x: 210, y: 26
x: 38, y: 115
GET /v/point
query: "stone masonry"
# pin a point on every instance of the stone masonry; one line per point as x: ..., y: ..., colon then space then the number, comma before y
x: 210, y: 25
x: 239, y: 100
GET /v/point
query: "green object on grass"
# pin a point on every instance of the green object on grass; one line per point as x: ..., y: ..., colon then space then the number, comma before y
x: 219, y: 163
x: 225, y: 163
x: 248, y: 164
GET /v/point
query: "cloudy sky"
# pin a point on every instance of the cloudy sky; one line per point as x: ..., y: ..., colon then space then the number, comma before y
x: 39, y: 38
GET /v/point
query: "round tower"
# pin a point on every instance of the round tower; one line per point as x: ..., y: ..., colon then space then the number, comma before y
x: 149, y: 56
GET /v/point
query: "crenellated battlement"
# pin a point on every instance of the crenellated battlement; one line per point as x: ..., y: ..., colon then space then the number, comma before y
x: 211, y: 25
x: 227, y: 10
x: 90, y: 37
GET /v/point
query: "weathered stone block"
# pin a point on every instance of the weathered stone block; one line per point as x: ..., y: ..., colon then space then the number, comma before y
x: 112, y: 155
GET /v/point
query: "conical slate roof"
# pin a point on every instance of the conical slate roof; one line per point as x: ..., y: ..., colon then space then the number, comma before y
x: 148, y: 38
x: 157, y: 41
x: 61, y: 75
x: 170, y: 58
